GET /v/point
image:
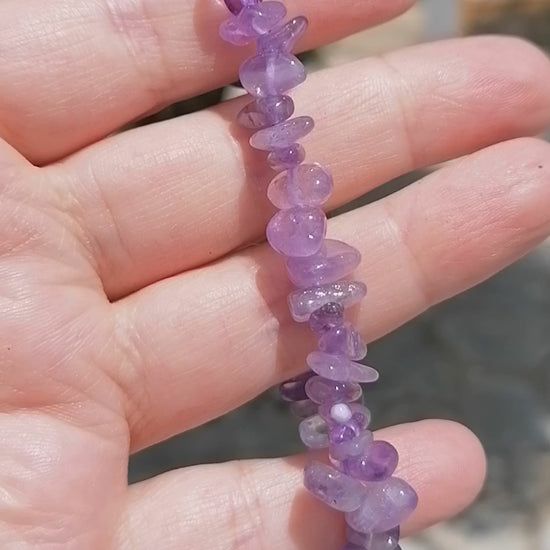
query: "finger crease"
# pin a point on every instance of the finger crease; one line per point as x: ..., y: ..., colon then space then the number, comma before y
x: 422, y: 282
x: 132, y: 21
x: 400, y: 87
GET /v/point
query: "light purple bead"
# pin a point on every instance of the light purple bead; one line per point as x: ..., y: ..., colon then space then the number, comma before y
x: 329, y: 316
x: 235, y: 6
x: 339, y: 367
x: 305, y: 185
x: 321, y: 390
x: 252, y: 22
x: 303, y: 303
x: 283, y: 159
x: 344, y: 340
x: 283, y: 38
x: 282, y: 135
x: 273, y: 74
x: 334, y: 261
x: 387, y: 540
x: 351, y: 448
x: 294, y: 388
x: 266, y: 111
x: 386, y: 505
x: 332, y: 487
x: 377, y: 464
x: 314, y: 432
x: 303, y: 409
x: 298, y: 231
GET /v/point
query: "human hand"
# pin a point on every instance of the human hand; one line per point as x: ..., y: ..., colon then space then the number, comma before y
x: 131, y: 308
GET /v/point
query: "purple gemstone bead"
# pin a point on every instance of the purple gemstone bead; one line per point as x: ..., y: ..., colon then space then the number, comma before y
x: 334, y: 261
x: 332, y: 487
x: 294, y: 389
x: 387, y: 540
x: 298, y: 231
x: 305, y: 185
x: 283, y: 38
x: 329, y: 316
x: 386, y: 505
x: 351, y: 546
x: 321, y: 390
x: 251, y: 22
x: 266, y: 111
x: 303, y: 303
x: 235, y: 6
x: 359, y: 415
x: 314, y: 432
x: 351, y: 448
x: 346, y: 421
x: 274, y: 74
x: 283, y: 159
x: 377, y: 464
x: 282, y: 135
x: 344, y: 340
x: 303, y: 409
x: 339, y: 367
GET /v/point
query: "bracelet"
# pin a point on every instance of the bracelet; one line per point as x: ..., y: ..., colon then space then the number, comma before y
x: 328, y: 398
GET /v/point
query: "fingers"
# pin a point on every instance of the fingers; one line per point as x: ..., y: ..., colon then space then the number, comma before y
x: 261, y: 503
x: 172, y: 196
x: 420, y: 246
x: 98, y: 65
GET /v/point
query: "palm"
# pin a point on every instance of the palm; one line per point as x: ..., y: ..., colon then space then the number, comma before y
x: 57, y: 339
x: 119, y: 331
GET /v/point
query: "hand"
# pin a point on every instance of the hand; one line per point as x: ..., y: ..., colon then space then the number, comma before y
x: 131, y: 306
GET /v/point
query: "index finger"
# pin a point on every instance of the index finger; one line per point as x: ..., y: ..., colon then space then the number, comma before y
x: 74, y: 71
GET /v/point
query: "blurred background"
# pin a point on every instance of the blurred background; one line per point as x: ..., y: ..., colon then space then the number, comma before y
x: 482, y: 358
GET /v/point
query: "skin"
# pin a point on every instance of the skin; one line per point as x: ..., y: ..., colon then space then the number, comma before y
x: 137, y: 299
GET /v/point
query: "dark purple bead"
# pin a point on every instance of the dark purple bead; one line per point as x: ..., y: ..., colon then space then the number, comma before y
x: 294, y: 389
x: 283, y: 159
x: 283, y: 38
x: 346, y: 421
x: 266, y: 111
x: 377, y: 464
x: 235, y: 6
x: 359, y: 413
x: 329, y: 316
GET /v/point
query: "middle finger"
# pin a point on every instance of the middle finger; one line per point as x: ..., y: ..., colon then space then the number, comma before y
x: 169, y: 197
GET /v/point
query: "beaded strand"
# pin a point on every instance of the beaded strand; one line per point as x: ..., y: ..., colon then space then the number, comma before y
x: 328, y: 398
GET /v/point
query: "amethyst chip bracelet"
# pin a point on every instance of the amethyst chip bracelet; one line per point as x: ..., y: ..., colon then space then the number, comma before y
x: 328, y: 398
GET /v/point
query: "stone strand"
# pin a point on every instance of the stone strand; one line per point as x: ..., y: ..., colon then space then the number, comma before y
x: 327, y: 399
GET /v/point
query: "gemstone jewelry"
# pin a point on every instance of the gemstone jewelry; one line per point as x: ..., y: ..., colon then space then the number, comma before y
x: 328, y: 398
